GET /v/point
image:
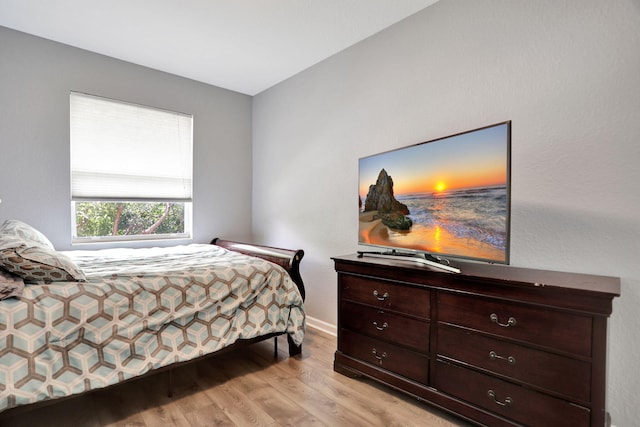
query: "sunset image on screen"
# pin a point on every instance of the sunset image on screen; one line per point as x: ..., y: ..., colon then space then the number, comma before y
x: 450, y: 196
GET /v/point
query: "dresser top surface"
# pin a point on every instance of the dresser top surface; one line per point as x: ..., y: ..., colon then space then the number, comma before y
x: 506, y: 274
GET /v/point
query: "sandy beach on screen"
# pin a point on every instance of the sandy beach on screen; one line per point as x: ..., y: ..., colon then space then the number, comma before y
x: 372, y: 230
x: 429, y: 239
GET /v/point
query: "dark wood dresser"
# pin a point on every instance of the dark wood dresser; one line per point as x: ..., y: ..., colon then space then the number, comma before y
x: 496, y: 345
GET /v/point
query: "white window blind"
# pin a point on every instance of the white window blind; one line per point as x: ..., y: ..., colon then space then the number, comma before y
x: 122, y: 151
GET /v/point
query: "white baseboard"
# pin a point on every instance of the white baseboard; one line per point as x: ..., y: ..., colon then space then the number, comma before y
x: 322, y: 326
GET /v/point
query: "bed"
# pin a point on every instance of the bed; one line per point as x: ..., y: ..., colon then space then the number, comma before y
x: 85, y: 320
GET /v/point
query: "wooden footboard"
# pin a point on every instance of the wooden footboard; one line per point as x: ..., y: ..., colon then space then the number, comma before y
x: 289, y: 259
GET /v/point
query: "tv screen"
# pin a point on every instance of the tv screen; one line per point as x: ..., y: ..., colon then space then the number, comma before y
x: 449, y: 197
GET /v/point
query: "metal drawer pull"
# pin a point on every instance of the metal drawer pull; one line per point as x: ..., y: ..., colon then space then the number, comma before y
x: 507, y: 401
x: 379, y: 297
x: 510, y: 322
x: 380, y: 357
x: 493, y: 356
x: 384, y: 326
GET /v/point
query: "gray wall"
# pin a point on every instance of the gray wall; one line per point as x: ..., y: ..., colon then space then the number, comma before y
x: 36, y: 76
x: 566, y: 72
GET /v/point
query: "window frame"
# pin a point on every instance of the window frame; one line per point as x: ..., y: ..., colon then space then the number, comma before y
x: 186, y: 235
x: 187, y: 201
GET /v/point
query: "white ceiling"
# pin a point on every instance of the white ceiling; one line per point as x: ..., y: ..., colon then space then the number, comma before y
x: 242, y: 45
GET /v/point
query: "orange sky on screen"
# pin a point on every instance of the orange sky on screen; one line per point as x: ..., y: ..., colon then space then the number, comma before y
x: 450, y: 183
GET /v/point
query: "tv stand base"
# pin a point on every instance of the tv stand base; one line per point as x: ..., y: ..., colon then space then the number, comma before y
x: 424, y: 259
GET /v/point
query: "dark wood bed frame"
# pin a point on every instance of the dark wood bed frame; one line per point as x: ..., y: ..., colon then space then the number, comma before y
x: 289, y: 259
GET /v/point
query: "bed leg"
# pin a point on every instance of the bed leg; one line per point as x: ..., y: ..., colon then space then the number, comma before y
x: 294, y: 349
x: 170, y: 383
x: 275, y: 347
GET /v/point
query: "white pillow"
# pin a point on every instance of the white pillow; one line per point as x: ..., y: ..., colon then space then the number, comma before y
x: 13, y: 227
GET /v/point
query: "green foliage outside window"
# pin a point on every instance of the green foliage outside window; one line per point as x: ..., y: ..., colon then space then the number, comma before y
x: 98, y: 219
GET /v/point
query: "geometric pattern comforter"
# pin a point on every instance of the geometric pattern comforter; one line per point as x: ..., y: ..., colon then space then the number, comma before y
x: 139, y: 309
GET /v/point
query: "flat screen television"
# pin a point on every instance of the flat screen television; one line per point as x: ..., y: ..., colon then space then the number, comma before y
x: 448, y: 197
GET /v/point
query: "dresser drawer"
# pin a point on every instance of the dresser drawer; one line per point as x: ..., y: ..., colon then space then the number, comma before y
x: 549, y: 371
x: 509, y: 400
x: 386, y: 326
x: 563, y: 331
x: 402, y: 361
x: 387, y: 295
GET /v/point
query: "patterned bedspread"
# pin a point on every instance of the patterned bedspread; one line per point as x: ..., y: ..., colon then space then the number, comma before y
x: 140, y: 309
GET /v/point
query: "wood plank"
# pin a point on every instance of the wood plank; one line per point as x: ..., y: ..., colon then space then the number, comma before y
x: 248, y: 387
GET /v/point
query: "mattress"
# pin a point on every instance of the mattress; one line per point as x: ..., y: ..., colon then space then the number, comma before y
x: 140, y: 309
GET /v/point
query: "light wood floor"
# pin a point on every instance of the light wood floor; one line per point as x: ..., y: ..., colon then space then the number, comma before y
x: 244, y: 388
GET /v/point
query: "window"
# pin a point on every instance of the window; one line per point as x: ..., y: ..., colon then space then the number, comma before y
x: 131, y: 171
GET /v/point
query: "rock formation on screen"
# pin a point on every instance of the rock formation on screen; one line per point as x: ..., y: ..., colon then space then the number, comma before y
x: 380, y: 198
